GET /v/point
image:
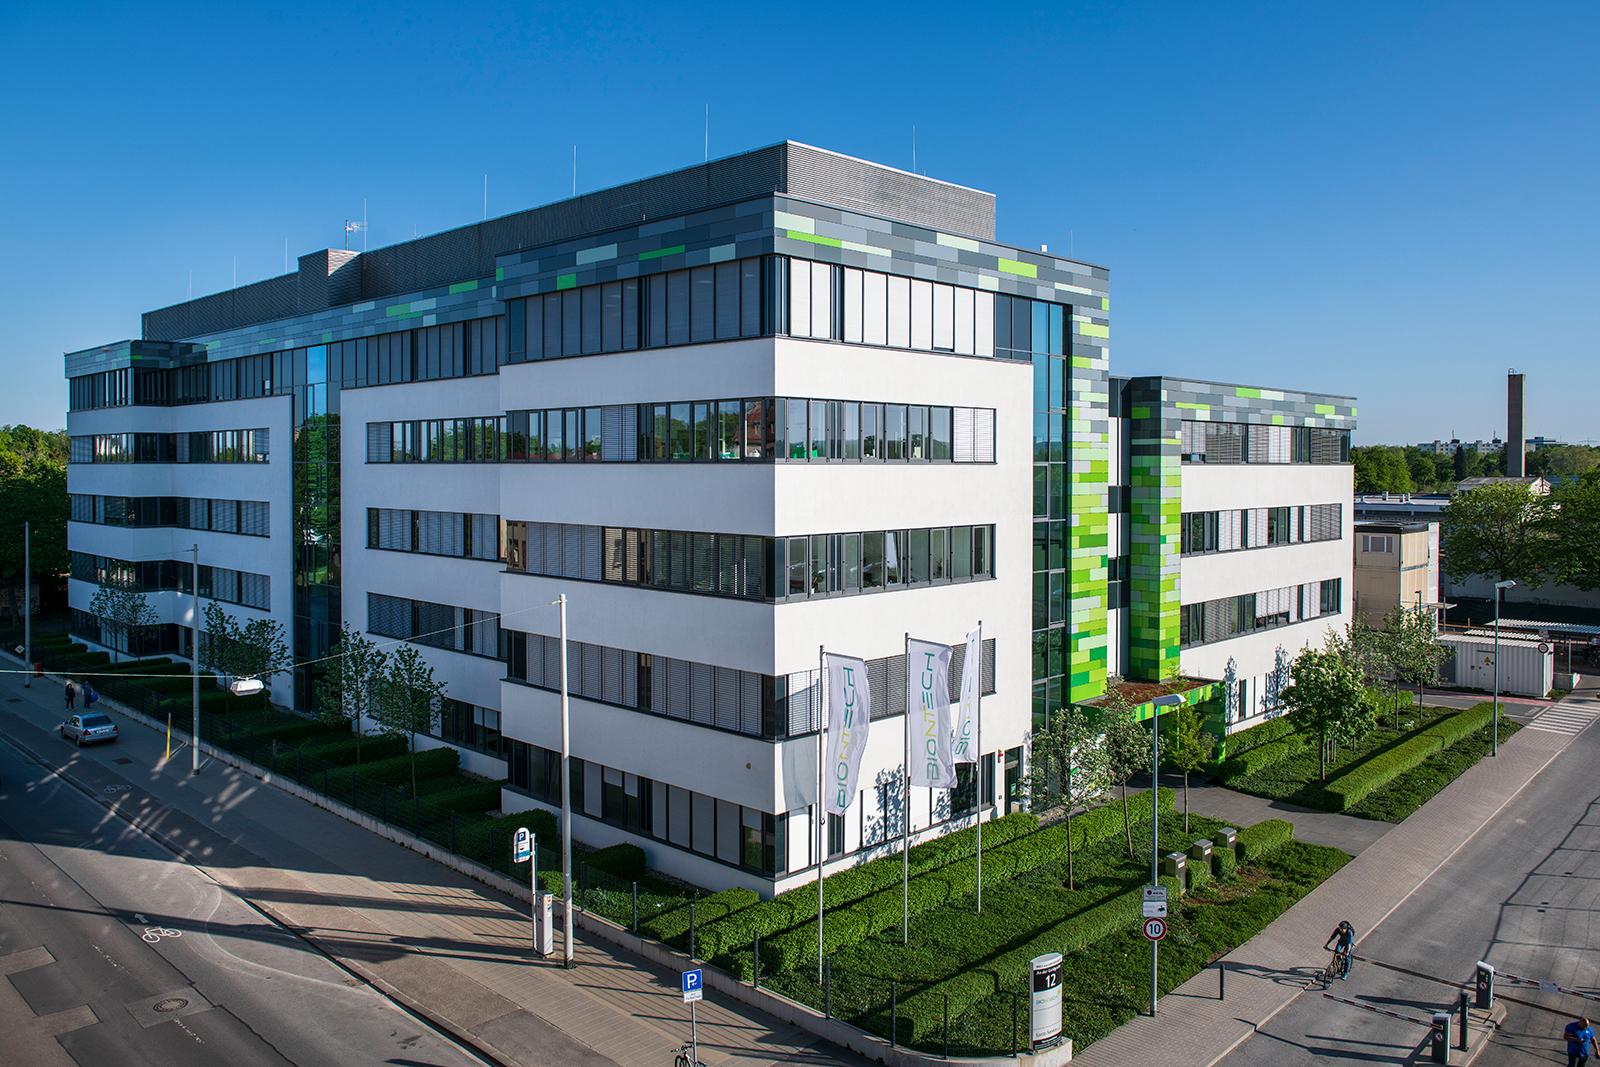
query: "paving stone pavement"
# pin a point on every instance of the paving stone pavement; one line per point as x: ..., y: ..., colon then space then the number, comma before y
x: 1194, y: 1029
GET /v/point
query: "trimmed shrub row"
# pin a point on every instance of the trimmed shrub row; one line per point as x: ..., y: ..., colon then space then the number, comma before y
x: 396, y: 771
x: 922, y: 1014
x: 674, y: 924
x: 1258, y: 840
x: 1261, y: 734
x: 1261, y: 757
x: 468, y: 797
x: 799, y: 905
x: 845, y: 926
x: 343, y: 751
x: 623, y: 860
x: 1223, y: 862
x: 1350, y: 788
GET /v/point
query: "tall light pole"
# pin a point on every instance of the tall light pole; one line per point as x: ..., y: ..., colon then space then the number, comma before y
x: 27, y: 607
x: 1494, y: 738
x: 194, y: 665
x: 1171, y: 700
x: 566, y: 792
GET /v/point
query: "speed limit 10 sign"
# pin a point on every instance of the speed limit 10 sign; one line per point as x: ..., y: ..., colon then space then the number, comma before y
x: 1155, y: 929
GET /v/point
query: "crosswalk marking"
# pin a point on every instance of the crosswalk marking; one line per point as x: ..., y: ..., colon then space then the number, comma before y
x: 1565, y: 719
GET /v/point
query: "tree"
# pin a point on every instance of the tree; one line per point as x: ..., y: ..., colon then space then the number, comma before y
x: 1069, y: 768
x: 356, y: 668
x: 1575, y: 531
x: 408, y: 701
x: 33, y: 490
x: 1127, y: 745
x: 1460, y: 463
x: 1413, y: 649
x: 1188, y: 746
x: 257, y: 649
x: 1371, y: 649
x: 1498, y: 531
x: 1326, y: 698
x: 1573, y: 459
x: 1381, y: 469
x: 122, y: 609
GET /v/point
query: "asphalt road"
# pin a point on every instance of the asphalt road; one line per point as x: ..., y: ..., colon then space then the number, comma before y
x: 114, y: 952
x: 1522, y: 894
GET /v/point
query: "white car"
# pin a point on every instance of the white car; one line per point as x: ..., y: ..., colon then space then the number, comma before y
x: 88, y: 728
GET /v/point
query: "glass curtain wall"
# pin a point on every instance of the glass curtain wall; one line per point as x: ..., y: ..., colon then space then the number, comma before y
x: 316, y: 543
x: 1038, y: 329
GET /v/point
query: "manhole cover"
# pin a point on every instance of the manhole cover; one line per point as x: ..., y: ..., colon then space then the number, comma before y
x: 170, y: 1004
x: 122, y: 759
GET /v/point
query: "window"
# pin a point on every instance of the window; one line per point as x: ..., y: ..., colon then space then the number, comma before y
x: 1221, y: 442
x: 1218, y: 620
x: 1380, y: 544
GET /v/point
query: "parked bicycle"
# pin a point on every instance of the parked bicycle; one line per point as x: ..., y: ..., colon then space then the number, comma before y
x: 681, y: 1058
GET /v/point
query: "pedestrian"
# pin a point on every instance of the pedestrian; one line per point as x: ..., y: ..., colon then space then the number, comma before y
x: 89, y: 696
x: 72, y: 698
x: 1580, y: 1040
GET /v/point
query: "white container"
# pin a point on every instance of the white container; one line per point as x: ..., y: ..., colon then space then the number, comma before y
x: 1524, y: 670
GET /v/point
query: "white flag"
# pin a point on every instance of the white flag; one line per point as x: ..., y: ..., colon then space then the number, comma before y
x: 850, y: 718
x: 966, y: 750
x: 928, y: 697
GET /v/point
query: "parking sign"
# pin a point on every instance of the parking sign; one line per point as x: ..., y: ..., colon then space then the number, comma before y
x: 691, y: 986
x: 522, y: 849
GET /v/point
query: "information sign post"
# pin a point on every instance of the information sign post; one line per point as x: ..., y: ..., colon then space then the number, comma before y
x: 1044, y: 1004
x: 692, y: 992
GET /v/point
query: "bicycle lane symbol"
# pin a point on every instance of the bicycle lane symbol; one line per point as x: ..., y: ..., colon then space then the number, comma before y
x: 154, y: 934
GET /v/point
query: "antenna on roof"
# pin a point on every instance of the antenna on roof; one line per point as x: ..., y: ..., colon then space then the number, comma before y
x: 913, y: 148
x: 707, y: 158
x: 574, y: 170
x: 485, y: 198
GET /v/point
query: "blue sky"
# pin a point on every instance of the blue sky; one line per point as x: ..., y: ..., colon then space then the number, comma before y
x: 1395, y: 202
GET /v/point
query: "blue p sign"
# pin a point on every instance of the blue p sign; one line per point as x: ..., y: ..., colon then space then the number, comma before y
x: 691, y: 986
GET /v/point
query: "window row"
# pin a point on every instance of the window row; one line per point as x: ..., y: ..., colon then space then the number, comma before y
x: 166, y: 575
x: 1218, y: 620
x: 154, y: 640
x: 213, y: 446
x: 434, y: 533
x: 752, y: 567
x: 1381, y: 544
x: 758, y: 705
x: 469, y: 726
x: 1228, y: 531
x: 250, y: 517
x: 1238, y: 442
x: 719, y: 829
x: 435, y: 625
x: 761, y: 429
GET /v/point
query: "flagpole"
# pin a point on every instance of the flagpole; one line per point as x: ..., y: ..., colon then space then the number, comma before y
x: 820, y: 815
x: 978, y: 743
x: 905, y: 801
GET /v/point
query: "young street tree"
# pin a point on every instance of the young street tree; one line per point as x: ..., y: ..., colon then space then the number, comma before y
x: 257, y: 649
x: 1326, y: 698
x: 1498, y: 531
x: 1412, y: 648
x: 1188, y: 746
x: 348, y: 693
x: 408, y: 700
x: 122, y: 610
x: 1575, y: 531
x: 1069, y: 768
x: 1127, y: 746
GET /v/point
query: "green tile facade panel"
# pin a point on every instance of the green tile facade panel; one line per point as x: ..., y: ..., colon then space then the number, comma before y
x: 1088, y: 460
x: 1154, y: 531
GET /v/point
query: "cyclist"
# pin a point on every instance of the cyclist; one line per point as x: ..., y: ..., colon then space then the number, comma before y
x: 1341, y: 941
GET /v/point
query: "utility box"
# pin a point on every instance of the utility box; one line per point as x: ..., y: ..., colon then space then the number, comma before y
x: 1176, y: 865
x: 544, y: 926
x: 1227, y: 838
x: 1524, y: 670
x: 1200, y: 852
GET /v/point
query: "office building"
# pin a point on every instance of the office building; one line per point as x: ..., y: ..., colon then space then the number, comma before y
x: 735, y: 413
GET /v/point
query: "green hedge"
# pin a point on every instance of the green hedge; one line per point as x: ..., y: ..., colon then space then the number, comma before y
x: 94, y: 659
x: 396, y: 771
x: 623, y: 860
x: 845, y: 926
x: 1261, y: 757
x: 922, y: 1014
x: 468, y: 796
x: 672, y: 925
x: 343, y: 750
x: 1223, y: 863
x: 1262, y: 734
x: 179, y: 686
x: 1350, y: 788
x: 142, y: 666
x: 1258, y: 840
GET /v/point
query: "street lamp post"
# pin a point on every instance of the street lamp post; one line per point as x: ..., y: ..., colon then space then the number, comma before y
x: 566, y: 795
x: 1168, y: 701
x: 27, y: 606
x: 1494, y: 737
x: 194, y: 675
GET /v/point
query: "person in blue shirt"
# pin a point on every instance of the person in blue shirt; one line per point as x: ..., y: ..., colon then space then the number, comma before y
x: 1580, y: 1040
x: 1341, y: 941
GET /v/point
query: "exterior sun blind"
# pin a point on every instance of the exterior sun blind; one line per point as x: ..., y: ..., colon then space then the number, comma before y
x: 611, y: 434
x: 982, y: 435
x: 380, y: 442
x: 630, y: 432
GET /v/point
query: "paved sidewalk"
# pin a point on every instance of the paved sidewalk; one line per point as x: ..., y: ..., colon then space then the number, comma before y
x: 449, y: 947
x: 1268, y: 972
x: 1344, y: 832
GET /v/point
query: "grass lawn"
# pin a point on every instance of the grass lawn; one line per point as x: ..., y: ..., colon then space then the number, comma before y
x: 1104, y: 982
x: 1297, y: 779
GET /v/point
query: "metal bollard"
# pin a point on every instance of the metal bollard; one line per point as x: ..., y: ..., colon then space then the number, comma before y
x: 691, y: 930
x: 453, y: 833
x: 1014, y: 996
x: 1463, y: 1043
x: 1222, y: 979
x: 1439, y: 1038
x: 755, y: 958
x: 947, y: 1026
x: 636, y: 907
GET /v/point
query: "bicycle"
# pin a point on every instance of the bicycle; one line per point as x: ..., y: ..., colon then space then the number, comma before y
x: 1338, y: 966
x: 680, y: 1058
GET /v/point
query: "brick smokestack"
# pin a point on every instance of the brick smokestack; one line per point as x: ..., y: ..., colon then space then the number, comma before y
x: 1514, y: 428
